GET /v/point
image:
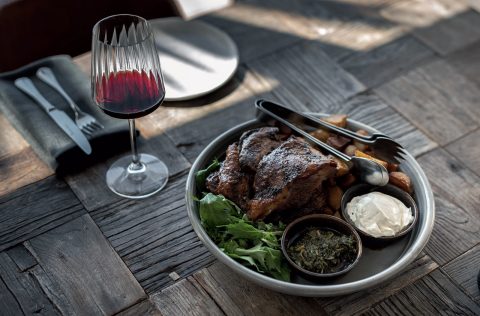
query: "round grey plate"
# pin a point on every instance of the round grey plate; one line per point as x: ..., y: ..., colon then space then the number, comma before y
x: 375, y: 265
x: 196, y: 57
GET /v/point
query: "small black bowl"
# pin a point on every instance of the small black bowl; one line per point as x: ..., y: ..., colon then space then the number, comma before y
x: 298, y: 226
x: 361, y: 189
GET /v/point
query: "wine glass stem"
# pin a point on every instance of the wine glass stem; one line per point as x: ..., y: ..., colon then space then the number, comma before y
x: 135, y: 165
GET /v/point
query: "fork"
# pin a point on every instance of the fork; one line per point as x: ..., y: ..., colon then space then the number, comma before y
x: 383, y: 146
x: 87, y: 123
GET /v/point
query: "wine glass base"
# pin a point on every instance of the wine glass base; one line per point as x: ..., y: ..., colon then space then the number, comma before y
x: 137, y: 182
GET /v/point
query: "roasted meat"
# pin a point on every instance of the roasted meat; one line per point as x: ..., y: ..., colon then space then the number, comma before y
x: 316, y: 205
x: 230, y: 180
x: 287, y: 177
x: 256, y: 143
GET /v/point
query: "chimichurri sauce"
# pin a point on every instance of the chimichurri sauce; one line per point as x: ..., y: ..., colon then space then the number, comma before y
x: 323, y: 251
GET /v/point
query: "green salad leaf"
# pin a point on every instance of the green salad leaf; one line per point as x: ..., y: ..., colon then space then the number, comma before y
x: 202, y: 175
x: 253, y: 244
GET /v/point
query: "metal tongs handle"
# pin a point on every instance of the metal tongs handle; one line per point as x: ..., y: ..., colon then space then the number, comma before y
x: 312, y: 121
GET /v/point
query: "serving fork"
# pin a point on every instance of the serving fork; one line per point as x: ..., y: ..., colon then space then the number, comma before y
x: 382, y: 145
x: 85, y: 122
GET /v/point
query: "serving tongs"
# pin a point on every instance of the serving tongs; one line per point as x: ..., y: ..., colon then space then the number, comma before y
x: 383, y: 146
x: 368, y: 171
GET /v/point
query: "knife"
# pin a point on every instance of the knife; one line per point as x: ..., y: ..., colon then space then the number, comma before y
x: 63, y: 121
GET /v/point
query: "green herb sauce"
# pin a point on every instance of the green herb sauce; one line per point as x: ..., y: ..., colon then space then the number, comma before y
x: 323, y: 251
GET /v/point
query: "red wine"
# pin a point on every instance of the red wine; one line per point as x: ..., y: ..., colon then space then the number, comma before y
x: 129, y: 94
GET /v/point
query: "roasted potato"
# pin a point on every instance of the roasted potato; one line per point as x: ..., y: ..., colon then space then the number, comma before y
x: 342, y: 167
x: 338, y: 142
x: 401, y: 180
x: 334, y: 197
x: 350, y: 150
x: 320, y: 134
x: 361, y: 146
x: 339, y: 120
x: 362, y: 132
x: 361, y: 154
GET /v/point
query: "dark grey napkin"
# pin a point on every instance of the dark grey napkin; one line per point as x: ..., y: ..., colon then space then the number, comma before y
x: 47, y: 139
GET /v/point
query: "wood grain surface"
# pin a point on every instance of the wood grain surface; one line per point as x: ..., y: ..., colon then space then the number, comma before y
x: 82, y: 269
x: 360, y: 302
x: 21, y: 293
x: 35, y: 209
x: 444, y: 107
x: 464, y: 270
x: 387, y: 61
x: 144, y: 308
x: 235, y: 294
x: 449, y: 35
x: 171, y: 301
x: 435, y: 294
x: 465, y: 150
x: 409, y: 68
x: 324, y: 81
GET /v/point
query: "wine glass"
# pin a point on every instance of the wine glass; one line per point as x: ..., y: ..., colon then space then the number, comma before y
x: 127, y: 83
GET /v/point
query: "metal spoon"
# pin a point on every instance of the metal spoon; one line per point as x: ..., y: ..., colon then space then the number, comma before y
x: 368, y: 171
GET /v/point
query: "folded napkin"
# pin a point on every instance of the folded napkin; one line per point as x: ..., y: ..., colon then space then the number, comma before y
x: 46, y: 138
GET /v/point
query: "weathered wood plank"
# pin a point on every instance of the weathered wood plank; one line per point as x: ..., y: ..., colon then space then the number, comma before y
x: 437, y: 99
x: 368, y: 108
x: 377, y: 66
x: 154, y: 236
x: 83, y: 267
x: 451, y: 180
x: 28, y: 296
x: 464, y: 270
x: 467, y: 62
x: 8, y: 304
x: 454, y: 232
x: 36, y: 208
x: 22, y: 258
x: 323, y: 82
x: 233, y: 294
x: 254, y: 32
x: 360, y: 302
x: 451, y: 34
x: 144, y: 308
x: 90, y: 186
x: 353, y: 38
x: 186, y: 298
x: 12, y: 142
x: 217, y: 293
x: 413, y: 14
x: 435, y: 294
x: 466, y: 149
x: 21, y: 169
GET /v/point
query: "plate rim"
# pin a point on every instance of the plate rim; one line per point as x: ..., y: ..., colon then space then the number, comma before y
x: 303, y: 289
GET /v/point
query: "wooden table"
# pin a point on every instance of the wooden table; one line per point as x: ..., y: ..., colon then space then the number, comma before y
x: 409, y: 68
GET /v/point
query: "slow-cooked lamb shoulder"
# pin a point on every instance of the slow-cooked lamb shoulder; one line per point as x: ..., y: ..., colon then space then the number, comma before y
x: 230, y: 181
x: 256, y: 143
x: 287, y: 178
